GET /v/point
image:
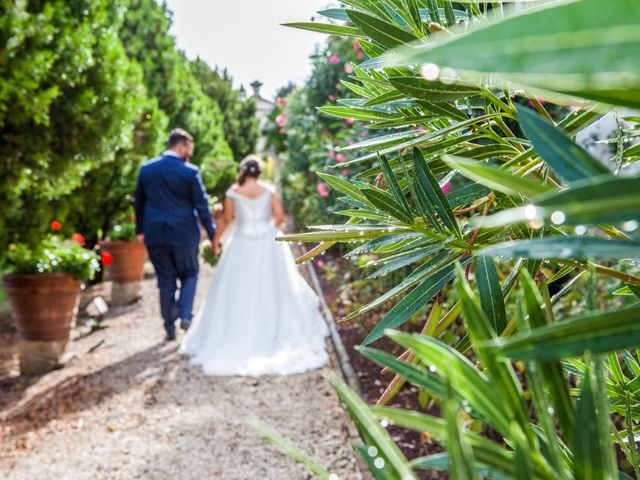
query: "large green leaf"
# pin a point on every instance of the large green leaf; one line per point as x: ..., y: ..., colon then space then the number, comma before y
x: 495, y: 178
x: 457, y: 446
x: 592, y: 201
x: 566, y: 158
x: 467, y: 381
x: 592, y: 451
x: 432, y: 91
x: 329, y: 28
x: 385, y: 202
x: 372, y: 430
x: 358, y: 113
x: 550, y: 373
x: 502, y: 374
x: 573, y: 47
x: 565, y: 247
x: 345, y: 187
x: 597, y: 332
x: 484, y: 450
x: 392, y: 180
x: 491, y: 297
x: 419, y: 376
x: 380, y: 31
x: 410, y: 304
x: 428, y: 184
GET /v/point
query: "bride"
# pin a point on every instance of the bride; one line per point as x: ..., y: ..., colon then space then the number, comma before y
x: 260, y: 317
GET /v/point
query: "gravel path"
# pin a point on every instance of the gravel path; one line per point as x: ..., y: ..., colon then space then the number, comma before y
x: 133, y: 408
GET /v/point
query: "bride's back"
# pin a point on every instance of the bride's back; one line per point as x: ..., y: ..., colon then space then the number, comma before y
x: 252, y: 208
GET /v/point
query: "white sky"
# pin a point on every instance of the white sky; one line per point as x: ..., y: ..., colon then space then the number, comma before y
x: 245, y: 36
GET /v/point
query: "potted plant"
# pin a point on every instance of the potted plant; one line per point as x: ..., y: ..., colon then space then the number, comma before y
x: 43, y: 285
x: 125, y: 257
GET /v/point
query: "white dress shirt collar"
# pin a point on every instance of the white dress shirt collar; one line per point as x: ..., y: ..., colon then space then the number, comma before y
x: 171, y: 153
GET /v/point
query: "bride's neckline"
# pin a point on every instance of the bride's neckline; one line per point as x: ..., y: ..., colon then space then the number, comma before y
x: 266, y: 190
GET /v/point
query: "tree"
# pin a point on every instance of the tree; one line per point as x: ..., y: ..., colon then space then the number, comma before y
x: 240, y: 123
x: 69, y: 102
x: 168, y: 77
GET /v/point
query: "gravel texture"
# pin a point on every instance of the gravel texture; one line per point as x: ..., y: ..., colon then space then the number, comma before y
x: 133, y: 408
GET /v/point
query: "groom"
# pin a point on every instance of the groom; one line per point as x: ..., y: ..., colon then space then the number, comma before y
x: 169, y: 199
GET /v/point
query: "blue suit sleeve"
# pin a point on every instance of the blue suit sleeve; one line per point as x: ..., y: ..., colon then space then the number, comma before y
x: 200, y: 203
x: 138, y: 205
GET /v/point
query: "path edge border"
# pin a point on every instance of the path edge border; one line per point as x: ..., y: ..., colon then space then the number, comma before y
x: 344, y: 361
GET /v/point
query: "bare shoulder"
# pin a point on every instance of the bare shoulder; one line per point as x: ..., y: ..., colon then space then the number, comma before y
x: 232, y: 191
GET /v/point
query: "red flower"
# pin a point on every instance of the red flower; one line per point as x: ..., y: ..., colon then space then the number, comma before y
x: 77, y: 237
x: 107, y: 258
x: 56, y: 225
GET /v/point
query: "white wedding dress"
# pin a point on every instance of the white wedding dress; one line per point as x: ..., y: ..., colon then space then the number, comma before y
x: 260, y: 317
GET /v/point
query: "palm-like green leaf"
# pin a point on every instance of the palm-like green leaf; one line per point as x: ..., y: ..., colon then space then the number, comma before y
x: 372, y: 430
x: 565, y: 157
x: 597, y: 332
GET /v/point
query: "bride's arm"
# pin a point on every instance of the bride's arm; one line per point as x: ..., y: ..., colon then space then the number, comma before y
x: 277, y: 210
x: 225, y: 221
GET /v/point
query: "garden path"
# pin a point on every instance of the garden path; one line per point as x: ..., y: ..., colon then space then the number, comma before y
x: 133, y: 408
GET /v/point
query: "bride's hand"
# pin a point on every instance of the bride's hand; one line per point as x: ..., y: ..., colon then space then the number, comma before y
x: 217, y: 249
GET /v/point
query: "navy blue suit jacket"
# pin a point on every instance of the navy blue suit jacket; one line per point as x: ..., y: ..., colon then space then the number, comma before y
x: 169, y: 199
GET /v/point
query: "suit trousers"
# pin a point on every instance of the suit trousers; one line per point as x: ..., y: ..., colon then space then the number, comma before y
x: 173, y: 263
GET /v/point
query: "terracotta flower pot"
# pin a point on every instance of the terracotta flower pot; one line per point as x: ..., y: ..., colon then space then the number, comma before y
x: 44, y: 305
x: 128, y: 260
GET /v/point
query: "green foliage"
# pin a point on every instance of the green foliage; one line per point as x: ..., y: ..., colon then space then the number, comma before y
x: 208, y: 255
x: 240, y: 123
x: 89, y: 91
x: 528, y: 207
x: 69, y: 103
x: 52, y: 255
x: 125, y: 231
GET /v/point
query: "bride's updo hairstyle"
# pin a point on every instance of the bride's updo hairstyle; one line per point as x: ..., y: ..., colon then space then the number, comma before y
x: 251, y: 166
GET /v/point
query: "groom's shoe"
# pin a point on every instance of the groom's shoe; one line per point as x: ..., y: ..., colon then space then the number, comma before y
x: 170, y: 337
x: 185, y: 324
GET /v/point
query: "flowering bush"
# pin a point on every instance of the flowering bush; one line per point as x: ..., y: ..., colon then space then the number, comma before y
x: 125, y: 232
x: 311, y: 142
x: 52, y: 255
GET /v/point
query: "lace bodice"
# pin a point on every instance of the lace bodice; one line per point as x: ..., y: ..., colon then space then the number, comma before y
x: 253, y: 215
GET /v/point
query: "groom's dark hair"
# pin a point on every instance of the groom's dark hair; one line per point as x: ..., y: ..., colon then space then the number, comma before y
x: 178, y: 136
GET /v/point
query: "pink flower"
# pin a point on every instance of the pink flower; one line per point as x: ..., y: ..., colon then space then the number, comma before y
x: 323, y: 189
x: 320, y: 263
x: 446, y: 188
x: 348, y: 121
x: 334, y: 59
x: 364, y: 135
x: 332, y: 98
x: 360, y: 55
x: 351, y: 142
x: 280, y: 101
x: 341, y: 158
x: 281, y: 120
x: 356, y: 45
x: 332, y: 154
x: 345, y: 172
x: 338, y: 86
x: 348, y: 68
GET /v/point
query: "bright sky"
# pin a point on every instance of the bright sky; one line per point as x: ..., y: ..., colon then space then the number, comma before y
x: 246, y: 37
